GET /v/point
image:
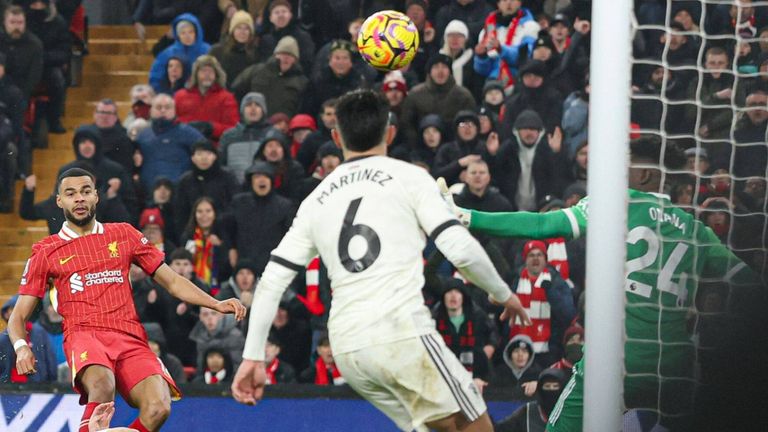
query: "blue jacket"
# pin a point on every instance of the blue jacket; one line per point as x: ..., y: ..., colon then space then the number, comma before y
x: 166, y: 151
x: 44, y: 354
x: 187, y: 54
x: 490, y: 67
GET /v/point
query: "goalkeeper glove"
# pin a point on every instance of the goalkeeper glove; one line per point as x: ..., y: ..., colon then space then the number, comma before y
x: 463, y: 214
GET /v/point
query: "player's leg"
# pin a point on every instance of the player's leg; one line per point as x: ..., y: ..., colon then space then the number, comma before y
x: 98, y: 384
x: 458, y: 422
x: 153, y: 399
x: 92, y: 371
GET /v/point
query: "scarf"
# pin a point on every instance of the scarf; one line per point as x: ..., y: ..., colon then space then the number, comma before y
x: 491, y: 23
x: 272, y: 370
x: 321, y: 373
x: 15, y: 376
x: 205, y: 265
x: 557, y: 256
x: 312, y: 301
x: 211, y: 378
x: 533, y: 297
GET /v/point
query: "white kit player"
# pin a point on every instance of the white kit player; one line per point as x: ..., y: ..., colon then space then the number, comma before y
x: 368, y: 220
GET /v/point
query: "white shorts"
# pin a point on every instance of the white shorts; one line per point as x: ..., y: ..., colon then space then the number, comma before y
x: 413, y: 381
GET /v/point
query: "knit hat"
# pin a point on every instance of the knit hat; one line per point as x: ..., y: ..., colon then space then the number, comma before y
x: 151, y: 216
x: 341, y: 44
x: 260, y: 167
x: 528, y: 119
x: 493, y: 85
x: 420, y: 3
x: 204, y: 145
x: 278, y: 117
x: 329, y: 149
x: 431, y: 120
x: 240, y: 17
x: 536, y: 67
x: 162, y: 182
x: 302, y: 121
x: 534, y: 244
x: 395, y: 85
x: 439, y: 58
x: 457, y: 26
x: 287, y: 45
x: 254, y: 97
x: 521, y: 344
x: 466, y: 115
x: 573, y: 330
x: 544, y: 40
x: 277, y: 3
x: 244, y: 263
x: 560, y: 18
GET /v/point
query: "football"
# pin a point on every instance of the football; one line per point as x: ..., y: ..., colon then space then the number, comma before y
x: 388, y: 40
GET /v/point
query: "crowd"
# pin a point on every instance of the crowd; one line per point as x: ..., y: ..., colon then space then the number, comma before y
x: 232, y: 131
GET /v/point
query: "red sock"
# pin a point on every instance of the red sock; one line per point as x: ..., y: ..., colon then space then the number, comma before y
x: 138, y: 426
x: 89, y: 407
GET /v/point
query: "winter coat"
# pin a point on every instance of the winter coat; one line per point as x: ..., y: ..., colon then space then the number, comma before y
x: 234, y: 58
x: 115, y: 144
x: 327, y: 85
x: 545, y: 100
x: 472, y: 14
x: 214, y: 183
x: 750, y: 160
x: 429, y: 98
x: 166, y: 150
x: 307, y: 154
x: 259, y: 223
x: 226, y: 335
x: 187, y: 54
x: 718, y: 120
x: 53, y: 32
x: 283, y: 91
x: 575, y: 120
x: 239, y: 145
x: 526, y: 34
x: 420, y: 151
x: 217, y: 107
x: 544, y: 171
x: 288, y: 172
x: 24, y: 60
x: 306, y: 45
x: 42, y: 349
x: 509, y: 377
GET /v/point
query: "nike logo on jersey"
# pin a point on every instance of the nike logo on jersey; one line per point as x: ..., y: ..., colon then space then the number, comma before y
x: 63, y: 261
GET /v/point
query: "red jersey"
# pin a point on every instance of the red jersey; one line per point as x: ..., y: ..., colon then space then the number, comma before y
x: 91, y: 276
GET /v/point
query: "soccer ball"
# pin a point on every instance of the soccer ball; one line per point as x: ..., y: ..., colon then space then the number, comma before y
x: 388, y: 40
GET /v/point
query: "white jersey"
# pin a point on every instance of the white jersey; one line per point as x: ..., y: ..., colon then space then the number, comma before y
x: 369, y: 220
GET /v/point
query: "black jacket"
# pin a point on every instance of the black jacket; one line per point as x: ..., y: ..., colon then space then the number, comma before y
x: 258, y: 225
x: 115, y: 144
x: 215, y: 183
x: 24, y: 60
x: 307, y: 154
x: 544, y: 171
x: 306, y: 45
x: 327, y: 85
x: 545, y: 100
x: 750, y: 160
x: 54, y: 33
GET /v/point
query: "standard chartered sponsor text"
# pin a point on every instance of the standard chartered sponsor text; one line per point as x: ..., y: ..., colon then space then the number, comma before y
x: 104, y: 277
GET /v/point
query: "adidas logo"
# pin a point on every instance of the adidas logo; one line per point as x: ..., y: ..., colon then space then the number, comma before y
x: 76, y: 283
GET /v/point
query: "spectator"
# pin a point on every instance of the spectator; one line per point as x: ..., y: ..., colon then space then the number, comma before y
x: 50, y: 321
x: 275, y: 150
x: 439, y: 95
x: 217, y: 367
x: 152, y: 225
x: 548, y: 301
x: 115, y: 143
x: 452, y: 158
x: 751, y: 154
x: 41, y: 346
x: 283, y: 24
x: 280, y: 79
x: 141, y: 103
x: 157, y: 343
x: 471, y: 12
x: 337, y: 78
x: 573, y: 343
x: 46, y: 24
x: 395, y: 89
x: 239, y: 144
x: 466, y: 330
x: 714, y: 91
x: 162, y: 198
x: 205, y: 99
x: 176, y: 317
x: 260, y: 216
x: 492, y: 97
x: 299, y: 128
x: 111, y: 179
x: 242, y: 284
x: 431, y: 133
x: 108, y: 209
x: 175, y: 76
x: 575, y: 119
x: 647, y: 111
x: 506, y: 31
x: 308, y: 152
x: 455, y: 47
x: 329, y: 157
x: 166, y: 147
x: 280, y: 122
x: 532, y: 93
x: 416, y: 10
x: 205, y: 179
x: 23, y: 50
x: 217, y: 330
x: 519, y: 372
x: 278, y: 372
x: 573, y: 51
x: 238, y: 50
x: 206, y: 239
x: 478, y: 194
x: 295, y: 336
x: 12, y: 103
x: 188, y: 45
x: 11, y: 138
x: 323, y: 372
x: 533, y: 416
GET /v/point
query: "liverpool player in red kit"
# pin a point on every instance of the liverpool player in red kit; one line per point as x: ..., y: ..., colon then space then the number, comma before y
x: 104, y: 342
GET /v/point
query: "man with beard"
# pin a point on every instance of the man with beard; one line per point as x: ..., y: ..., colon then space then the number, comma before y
x: 46, y: 24
x: 105, y: 343
x: 533, y: 416
x: 23, y: 49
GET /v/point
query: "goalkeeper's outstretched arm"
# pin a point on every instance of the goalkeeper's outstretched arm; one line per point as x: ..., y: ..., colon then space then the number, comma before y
x: 560, y: 223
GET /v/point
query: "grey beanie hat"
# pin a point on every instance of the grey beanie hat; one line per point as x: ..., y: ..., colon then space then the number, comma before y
x: 254, y: 97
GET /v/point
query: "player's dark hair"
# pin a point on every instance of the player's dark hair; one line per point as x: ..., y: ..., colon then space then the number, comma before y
x: 361, y: 117
x: 648, y: 149
x: 74, y: 172
x: 181, y: 254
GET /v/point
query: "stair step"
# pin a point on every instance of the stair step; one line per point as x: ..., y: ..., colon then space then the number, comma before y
x: 119, y: 47
x: 14, y: 253
x: 86, y: 109
x: 117, y: 79
x: 125, y: 31
x: 22, y: 236
x: 95, y: 63
x: 96, y: 92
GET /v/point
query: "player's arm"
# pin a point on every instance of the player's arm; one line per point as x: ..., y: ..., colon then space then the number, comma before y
x: 290, y: 257
x: 25, y: 359
x: 183, y: 289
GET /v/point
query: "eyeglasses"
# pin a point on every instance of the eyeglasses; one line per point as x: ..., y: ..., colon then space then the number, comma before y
x: 466, y: 124
x: 107, y: 112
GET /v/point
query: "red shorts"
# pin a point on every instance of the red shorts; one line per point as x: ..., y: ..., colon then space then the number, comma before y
x: 128, y: 357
